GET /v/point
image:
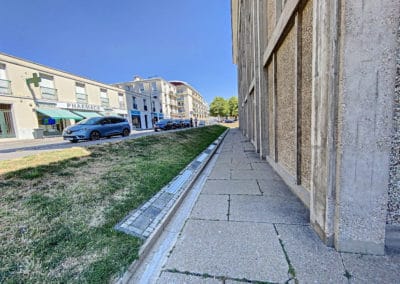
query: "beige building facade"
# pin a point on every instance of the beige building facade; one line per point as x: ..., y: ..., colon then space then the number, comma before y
x: 149, y: 100
x: 38, y: 100
x: 190, y: 102
x: 318, y: 99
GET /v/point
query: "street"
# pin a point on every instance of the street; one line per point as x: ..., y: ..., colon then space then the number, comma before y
x: 17, y: 149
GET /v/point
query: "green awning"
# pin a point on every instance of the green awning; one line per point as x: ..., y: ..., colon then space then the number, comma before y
x: 58, y: 113
x: 87, y: 114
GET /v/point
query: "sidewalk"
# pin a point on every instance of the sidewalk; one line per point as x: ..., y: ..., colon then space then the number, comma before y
x: 247, y: 226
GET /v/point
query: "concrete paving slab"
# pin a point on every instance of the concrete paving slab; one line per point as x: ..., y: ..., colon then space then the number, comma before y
x: 372, y: 269
x: 175, y: 278
x: 312, y: 260
x: 275, y: 187
x: 248, y: 187
x: 211, y: 207
x: 254, y: 174
x: 242, y: 165
x: 220, y: 173
x: 277, y: 209
x: 231, y: 249
x: 261, y: 165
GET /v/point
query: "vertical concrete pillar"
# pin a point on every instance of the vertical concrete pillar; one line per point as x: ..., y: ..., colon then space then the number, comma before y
x: 353, y: 85
x: 367, y: 79
x: 324, y: 117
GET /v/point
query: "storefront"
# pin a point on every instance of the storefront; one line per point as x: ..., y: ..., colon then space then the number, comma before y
x: 136, y: 121
x: 53, y: 120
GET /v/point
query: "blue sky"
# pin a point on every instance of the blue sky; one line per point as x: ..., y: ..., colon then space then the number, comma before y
x: 111, y: 41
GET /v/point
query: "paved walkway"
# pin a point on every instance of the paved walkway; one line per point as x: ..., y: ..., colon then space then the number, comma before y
x: 247, y: 226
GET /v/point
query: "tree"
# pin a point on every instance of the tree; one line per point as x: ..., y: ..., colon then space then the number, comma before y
x: 219, y: 107
x: 233, y: 107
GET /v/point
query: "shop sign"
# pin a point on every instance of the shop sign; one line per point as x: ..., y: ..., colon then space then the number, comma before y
x: 79, y: 106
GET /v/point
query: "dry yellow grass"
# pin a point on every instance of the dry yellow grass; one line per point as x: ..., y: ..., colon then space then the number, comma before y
x: 44, y: 158
x: 231, y: 125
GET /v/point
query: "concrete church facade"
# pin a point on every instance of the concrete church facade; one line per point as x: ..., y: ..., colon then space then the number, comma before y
x: 318, y: 99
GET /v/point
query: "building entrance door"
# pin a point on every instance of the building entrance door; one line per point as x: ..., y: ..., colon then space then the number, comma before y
x: 6, y: 125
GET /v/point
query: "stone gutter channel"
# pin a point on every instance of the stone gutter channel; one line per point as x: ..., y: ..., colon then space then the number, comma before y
x: 149, y: 220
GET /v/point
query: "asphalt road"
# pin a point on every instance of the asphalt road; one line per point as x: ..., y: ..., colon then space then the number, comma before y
x: 18, y: 149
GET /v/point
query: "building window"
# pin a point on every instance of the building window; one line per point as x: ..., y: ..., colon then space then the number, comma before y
x: 5, y: 85
x: 121, y: 101
x: 80, y: 93
x: 134, y: 104
x: 141, y: 87
x: 145, y: 104
x: 153, y: 106
x: 154, y: 86
x: 47, y: 87
x: 104, y: 100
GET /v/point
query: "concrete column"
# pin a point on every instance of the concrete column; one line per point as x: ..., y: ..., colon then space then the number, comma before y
x: 354, y: 48
x: 367, y: 80
x: 324, y: 117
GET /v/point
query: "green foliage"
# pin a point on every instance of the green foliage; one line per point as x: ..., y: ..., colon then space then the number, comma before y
x: 233, y: 107
x: 223, y: 108
x: 219, y: 107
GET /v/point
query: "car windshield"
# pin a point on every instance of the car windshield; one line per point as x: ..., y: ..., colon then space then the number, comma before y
x: 89, y: 121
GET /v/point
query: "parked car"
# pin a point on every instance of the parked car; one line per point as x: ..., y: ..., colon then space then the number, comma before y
x: 97, y: 127
x: 164, y: 124
x: 228, y: 120
x: 186, y: 123
x: 202, y: 123
x: 178, y: 123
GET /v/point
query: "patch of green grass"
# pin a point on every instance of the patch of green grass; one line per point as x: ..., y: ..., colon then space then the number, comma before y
x: 58, y: 219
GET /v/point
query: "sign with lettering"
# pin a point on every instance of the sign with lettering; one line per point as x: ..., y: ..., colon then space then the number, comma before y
x: 78, y: 106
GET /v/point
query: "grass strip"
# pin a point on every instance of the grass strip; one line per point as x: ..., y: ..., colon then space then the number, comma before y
x: 57, y: 219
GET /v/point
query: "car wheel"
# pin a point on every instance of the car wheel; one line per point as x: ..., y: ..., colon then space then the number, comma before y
x: 95, y: 135
x: 74, y: 141
x: 125, y: 132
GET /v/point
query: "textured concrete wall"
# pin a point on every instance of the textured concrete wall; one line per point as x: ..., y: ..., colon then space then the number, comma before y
x: 271, y: 17
x: 286, y: 109
x: 306, y: 92
x: 368, y: 38
x: 393, y: 216
x: 271, y: 128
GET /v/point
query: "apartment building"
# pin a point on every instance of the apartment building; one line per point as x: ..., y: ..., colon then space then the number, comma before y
x: 319, y: 100
x: 149, y: 100
x: 190, y: 102
x: 35, y: 98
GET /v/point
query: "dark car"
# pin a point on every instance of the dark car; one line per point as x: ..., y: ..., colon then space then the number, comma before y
x: 186, y: 123
x: 228, y: 120
x: 180, y: 123
x: 96, y: 127
x: 164, y: 124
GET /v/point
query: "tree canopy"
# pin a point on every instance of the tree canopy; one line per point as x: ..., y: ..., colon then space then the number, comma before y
x: 221, y: 107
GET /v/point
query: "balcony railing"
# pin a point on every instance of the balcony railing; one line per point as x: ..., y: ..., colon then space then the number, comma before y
x: 81, y: 98
x: 5, y: 87
x: 49, y: 93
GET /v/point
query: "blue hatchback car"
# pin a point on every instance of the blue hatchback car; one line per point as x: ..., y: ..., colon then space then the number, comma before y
x: 96, y: 127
